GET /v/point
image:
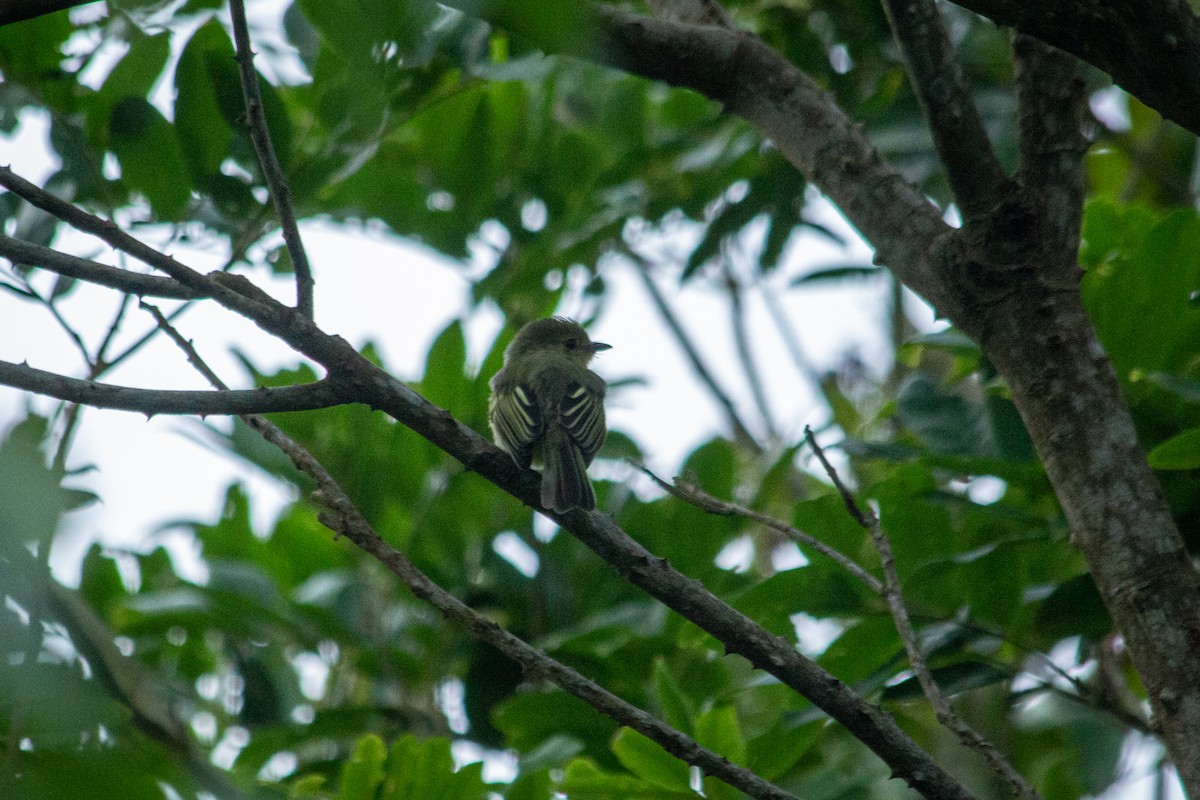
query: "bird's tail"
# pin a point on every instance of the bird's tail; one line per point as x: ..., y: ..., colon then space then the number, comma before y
x: 565, y: 483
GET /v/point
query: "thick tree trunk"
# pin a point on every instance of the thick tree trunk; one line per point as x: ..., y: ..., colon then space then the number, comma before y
x: 1064, y: 386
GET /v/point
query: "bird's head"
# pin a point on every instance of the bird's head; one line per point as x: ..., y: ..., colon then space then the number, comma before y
x: 555, y: 334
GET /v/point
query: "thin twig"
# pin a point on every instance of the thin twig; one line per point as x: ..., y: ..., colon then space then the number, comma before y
x: 642, y: 268
x: 149, y: 335
x: 302, y: 397
x: 48, y: 302
x: 186, y: 346
x: 232, y: 291
x: 272, y: 172
x: 84, y: 269
x: 958, y: 134
x: 98, y: 367
x: 791, y: 342
x: 741, y: 340
x: 694, y: 495
x: 891, y: 591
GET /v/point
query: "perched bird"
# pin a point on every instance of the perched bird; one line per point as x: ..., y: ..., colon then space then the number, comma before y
x: 547, y: 406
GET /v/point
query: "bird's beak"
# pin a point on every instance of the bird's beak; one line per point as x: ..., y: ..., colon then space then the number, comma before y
x: 598, y: 347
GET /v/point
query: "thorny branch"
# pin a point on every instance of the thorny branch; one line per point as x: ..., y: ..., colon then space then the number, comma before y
x: 891, y: 592
x: 344, y: 518
x: 281, y: 194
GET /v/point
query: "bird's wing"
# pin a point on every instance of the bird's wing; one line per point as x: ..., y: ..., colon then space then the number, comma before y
x: 582, y: 415
x: 515, y: 419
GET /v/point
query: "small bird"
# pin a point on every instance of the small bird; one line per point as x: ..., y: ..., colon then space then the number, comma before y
x: 547, y: 406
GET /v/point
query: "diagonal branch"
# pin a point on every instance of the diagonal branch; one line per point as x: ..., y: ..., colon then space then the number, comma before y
x: 280, y: 192
x: 305, y: 397
x: 27, y: 253
x: 1151, y: 48
x: 958, y: 134
x: 246, y: 299
x: 694, y: 495
x: 344, y: 518
x: 642, y: 268
x: 805, y: 124
x: 1052, y: 105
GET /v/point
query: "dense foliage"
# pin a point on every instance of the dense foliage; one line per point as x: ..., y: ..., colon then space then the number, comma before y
x: 300, y: 666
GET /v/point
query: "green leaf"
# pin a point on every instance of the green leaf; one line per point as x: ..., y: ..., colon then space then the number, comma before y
x: 1140, y: 297
x: 100, y: 582
x: 1184, y: 388
x: 424, y: 768
x: 712, y: 466
x: 362, y: 37
x: 950, y: 339
x: 207, y: 91
x: 583, y: 780
x: 676, y: 707
x: 445, y: 383
x: 528, y: 719
x: 1179, y: 452
x: 837, y: 275
x: 133, y: 76
x: 822, y: 591
x: 946, y: 422
x: 728, y: 222
x: 953, y: 679
x: 773, y: 753
x: 647, y: 760
x: 1074, y: 608
x: 308, y: 786
x: 719, y: 730
x: 31, y: 51
x: 25, y: 475
x: 151, y: 161
x: 620, y: 447
x: 363, y: 771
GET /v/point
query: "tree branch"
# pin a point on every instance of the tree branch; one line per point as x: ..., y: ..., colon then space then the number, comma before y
x: 1151, y: 48
x: 1052, y: 105
x: 958, y: 134
x: 1157, y: 60
x: 360, y: 380
x: 246, y: 299
x: 1004, y: 286
x: 642, y: 267
x: 345, y: 519
x: 26, y: 253
x: 916, y: 659
x: 20, y: 10
x: 305, y: 397
x: 810, y: 130
x: 694, y: 495
x: 281, y: 194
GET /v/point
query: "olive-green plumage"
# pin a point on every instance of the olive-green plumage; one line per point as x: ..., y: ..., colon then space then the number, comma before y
x: 547, y: 406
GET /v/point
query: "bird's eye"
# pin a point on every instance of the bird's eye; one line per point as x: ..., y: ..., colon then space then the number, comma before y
x: 571, y: 344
